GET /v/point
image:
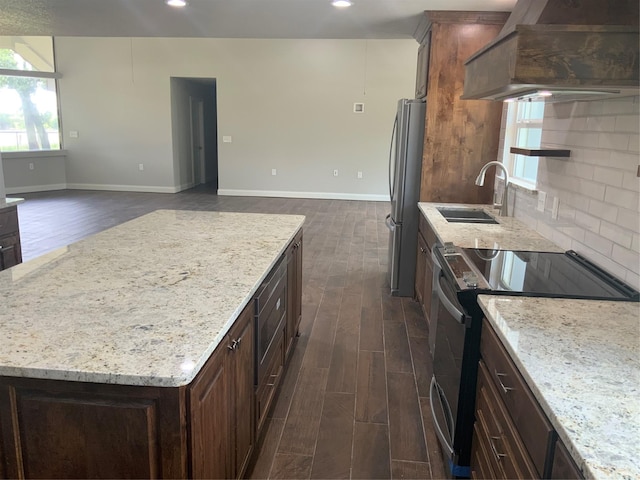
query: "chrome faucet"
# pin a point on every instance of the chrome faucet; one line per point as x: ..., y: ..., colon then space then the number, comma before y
x: 505, y: 194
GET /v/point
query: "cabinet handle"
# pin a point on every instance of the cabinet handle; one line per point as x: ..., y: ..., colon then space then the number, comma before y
x: 499, y: 456
x: 274, y: 377
x: 422, y: 249
x: 499, y: 376
x: 234, y: 345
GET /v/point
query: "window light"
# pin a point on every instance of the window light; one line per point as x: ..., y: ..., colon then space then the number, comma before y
x: 341, y: 3
x: 176, y: 3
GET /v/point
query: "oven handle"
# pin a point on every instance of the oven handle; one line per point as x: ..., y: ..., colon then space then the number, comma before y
x: 435, y: 389
x: 460, y: 316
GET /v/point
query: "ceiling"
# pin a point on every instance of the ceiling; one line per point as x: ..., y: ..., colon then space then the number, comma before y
x: 226, y: 18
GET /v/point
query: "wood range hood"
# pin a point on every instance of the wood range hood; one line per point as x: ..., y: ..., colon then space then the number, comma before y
x: 559, y: 50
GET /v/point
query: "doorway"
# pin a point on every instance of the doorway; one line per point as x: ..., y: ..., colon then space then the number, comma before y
x: 194, y: 132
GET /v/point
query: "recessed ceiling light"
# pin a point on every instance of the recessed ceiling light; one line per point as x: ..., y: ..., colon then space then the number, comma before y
x: 341, y: 3
x: 176, y: 3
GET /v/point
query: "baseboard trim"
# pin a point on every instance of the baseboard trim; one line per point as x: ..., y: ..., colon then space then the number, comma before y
x: 35, y: 188
x: 319, y: 195
x: 122, y: 188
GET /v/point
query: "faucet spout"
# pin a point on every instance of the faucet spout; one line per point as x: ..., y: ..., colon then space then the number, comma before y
x: 505, y: 194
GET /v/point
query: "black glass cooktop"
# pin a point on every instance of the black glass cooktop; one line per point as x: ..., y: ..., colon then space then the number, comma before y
x: 547, y: 274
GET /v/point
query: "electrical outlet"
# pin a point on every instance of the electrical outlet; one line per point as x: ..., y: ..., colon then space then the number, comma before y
x: 542, y: 198
x: 31, y: 167
x: 141, y: 166
x: 335, y: 173
x: 359, y: 174
x: 273, y: 171
x: 556, y: 207
x: 226, y: 139
x: 73, y: 134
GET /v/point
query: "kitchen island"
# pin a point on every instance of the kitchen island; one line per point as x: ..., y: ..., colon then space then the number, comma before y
x: 581, y: 360
x: 106, y: 341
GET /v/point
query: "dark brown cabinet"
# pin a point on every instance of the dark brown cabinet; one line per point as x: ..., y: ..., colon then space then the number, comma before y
x: 422, y: 72
x: 424, y: 267
x: 294, y: 295
x: 207, y: 429
x: 10, y: 249
x: 221, y: 400
x: 512, y: 436
x: 460, y: 135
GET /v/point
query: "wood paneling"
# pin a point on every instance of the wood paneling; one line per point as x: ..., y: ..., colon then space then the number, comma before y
x: 460, y: 135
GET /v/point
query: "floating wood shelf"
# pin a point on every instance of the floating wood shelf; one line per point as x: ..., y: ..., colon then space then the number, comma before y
x: 544, y: 152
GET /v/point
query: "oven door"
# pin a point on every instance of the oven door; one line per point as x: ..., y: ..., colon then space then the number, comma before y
x: 451, y: 328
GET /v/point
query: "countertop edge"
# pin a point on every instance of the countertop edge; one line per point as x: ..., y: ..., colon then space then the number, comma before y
x: 147, y: 380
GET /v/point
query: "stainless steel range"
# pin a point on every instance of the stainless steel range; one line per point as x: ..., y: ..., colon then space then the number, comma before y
x: 460, y: 275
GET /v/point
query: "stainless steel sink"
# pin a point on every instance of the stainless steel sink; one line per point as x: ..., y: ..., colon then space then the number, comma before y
x: 466, y: 215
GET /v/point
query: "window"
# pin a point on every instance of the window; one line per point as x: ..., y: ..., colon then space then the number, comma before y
x: 524, y: 129
x: 28, y: 97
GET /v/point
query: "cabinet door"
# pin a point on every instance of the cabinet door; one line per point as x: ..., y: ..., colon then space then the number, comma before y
x: 241, y: 338
x: 422, y: 73
x: 10, y: 253
x: 294, y: 287
x: 420, y: 270
x: 210, y: 429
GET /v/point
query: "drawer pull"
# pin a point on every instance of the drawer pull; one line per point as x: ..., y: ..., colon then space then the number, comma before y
x: 499, y: 456
x: 234, y: 345
x: 274, y: 377
x: 499, y: 376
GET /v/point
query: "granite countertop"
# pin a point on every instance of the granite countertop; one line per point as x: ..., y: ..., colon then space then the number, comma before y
x: 581, y: 359
x: 10, y: 202
x: 507, y: 234
x: 142, y: 303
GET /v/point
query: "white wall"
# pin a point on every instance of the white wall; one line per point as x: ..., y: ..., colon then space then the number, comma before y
x: 48, y: 172
x: 598, y: 190
x: 287, y: 104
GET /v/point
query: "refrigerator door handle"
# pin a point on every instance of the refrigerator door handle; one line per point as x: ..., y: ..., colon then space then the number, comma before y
x: 388, y: 221
x: 391, y: 157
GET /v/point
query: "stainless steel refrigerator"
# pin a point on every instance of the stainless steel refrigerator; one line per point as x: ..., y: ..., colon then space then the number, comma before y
x: 405, y: 166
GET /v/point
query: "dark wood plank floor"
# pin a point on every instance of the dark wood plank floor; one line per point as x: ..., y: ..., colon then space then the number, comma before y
x: 354, y: 399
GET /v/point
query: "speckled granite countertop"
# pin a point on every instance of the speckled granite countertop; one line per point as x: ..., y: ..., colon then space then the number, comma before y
x: 507, y: 234
x: 10, y: 202
x: 581, y: 359
x: 143, y: 303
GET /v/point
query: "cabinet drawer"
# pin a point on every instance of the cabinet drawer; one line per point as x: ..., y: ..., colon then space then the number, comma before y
x: 265, y: 293
x: 535, y: 430
x: 497, y: 435
x: 10, y: 252
x: 266, y: 390
x: 8, y: 221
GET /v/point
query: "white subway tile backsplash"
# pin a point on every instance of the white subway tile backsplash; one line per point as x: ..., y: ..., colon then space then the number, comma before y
x: 614, y: 141
x: 624, y: 161
x: 619, y: 106
x: 633, y: 279
x: 622, y: 198
x: 587, y: 221
x: 626, y: 257
x: 631, y: 181
x: 601, y: 124
x: 608, y: 175
x: 616, y: 234
x: 591, y: 189
x: 627, y: 123
x: 629, y: 219
x: 599, y: 244
x: 602, y: 210
x: 599, y: 192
